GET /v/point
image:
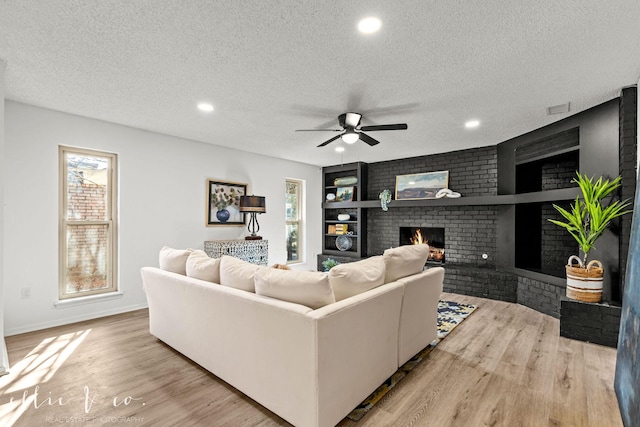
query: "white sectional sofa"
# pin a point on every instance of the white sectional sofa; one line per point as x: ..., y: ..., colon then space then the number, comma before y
x: 309, y: 365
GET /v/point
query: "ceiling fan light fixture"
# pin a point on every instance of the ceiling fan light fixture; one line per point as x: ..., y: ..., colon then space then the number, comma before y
x: 350, y: 137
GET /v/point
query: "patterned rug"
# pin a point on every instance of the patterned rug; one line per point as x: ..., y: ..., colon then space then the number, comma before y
x: 450, y: 315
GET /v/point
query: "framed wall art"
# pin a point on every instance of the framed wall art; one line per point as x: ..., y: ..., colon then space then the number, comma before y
x: 421, y: 185
x: 344, y: 194
x: 223, y: 202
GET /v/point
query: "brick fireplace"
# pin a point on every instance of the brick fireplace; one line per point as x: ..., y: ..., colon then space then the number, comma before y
x: 432, y: 236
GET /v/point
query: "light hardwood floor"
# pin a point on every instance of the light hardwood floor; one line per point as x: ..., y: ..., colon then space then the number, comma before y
x: 504, y: 366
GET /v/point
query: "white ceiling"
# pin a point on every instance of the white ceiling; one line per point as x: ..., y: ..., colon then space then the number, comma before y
x: 270, y: 67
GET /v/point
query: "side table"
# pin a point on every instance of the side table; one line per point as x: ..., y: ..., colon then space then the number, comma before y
x: 253, y: 251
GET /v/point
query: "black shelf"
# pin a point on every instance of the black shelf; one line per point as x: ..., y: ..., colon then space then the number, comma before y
x: 505, y: 199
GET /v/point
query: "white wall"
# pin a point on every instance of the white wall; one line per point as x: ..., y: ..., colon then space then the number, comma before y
x: 162, y: 202
x: 4, y: 362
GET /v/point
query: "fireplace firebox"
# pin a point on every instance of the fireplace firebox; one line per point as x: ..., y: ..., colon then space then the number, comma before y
x: 432, y: 236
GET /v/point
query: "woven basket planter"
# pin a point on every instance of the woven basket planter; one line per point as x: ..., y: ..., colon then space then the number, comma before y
x: 584, y: 284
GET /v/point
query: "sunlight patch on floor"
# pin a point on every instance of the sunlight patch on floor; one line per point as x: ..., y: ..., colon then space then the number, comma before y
x: 37, y: 367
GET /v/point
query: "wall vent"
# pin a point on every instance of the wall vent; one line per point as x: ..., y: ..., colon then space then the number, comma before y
x: 558, y: 109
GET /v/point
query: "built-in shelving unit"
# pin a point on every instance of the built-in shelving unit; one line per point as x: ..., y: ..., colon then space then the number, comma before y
x: 350, y: 179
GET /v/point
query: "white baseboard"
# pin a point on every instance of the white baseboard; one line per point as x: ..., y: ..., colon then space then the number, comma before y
x: 68, y: 320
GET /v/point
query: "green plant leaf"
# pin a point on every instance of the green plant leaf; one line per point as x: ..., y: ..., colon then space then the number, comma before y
x: 589, y: 218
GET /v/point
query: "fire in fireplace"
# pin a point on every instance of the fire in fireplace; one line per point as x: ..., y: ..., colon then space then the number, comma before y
x: 432, y: 236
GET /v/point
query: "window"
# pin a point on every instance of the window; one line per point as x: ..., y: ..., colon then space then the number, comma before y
x: 293, y: 212
x: 87, y: 222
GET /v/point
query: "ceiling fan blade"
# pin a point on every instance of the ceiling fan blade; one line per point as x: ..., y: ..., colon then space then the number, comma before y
x: 366, y: 138
x: 319, y: 130
x: 398, y: 126
x: 329, y: 140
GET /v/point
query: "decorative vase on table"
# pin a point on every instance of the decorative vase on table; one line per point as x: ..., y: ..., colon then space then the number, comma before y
x: 223, y: 215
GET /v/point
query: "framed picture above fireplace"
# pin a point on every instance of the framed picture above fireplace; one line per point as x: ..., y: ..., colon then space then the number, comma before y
x: 421, y: 185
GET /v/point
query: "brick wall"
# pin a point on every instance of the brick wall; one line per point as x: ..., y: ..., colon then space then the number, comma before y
x: 596, y: 323
x: 88, y: 245
x: 540, y: 296
x: 470, y: 231
x: 481, y: 282
x: 471, y: 172
x: 628, y: 132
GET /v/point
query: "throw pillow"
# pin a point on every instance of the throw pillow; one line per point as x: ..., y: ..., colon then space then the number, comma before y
x: 353, y: 278
x: 404, y: 261
x: 200, y: 266
x: 174, y: 260
x: 237, y: 273
x: 309, y: 288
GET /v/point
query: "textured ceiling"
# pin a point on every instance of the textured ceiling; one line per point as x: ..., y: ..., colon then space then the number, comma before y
x: 271, y: 67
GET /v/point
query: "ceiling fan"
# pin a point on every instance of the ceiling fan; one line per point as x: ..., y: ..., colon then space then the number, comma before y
x: 352, y: 131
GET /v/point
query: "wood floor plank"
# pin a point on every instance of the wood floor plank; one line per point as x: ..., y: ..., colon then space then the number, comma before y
x: 504, y: 366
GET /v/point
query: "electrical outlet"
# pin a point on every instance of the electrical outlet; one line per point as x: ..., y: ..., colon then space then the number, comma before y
x: 25, y: 293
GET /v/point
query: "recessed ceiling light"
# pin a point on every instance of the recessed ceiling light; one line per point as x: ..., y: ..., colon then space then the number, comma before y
x: 339, y: 149
x: 472, y: 124
x: 369, y: 25
x: 205, y: 106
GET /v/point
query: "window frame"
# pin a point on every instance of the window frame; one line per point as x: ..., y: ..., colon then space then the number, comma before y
x: 65, y: 223
x: 299, y: 221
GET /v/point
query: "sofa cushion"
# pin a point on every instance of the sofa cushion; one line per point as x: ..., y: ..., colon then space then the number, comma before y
x: 200, y: 266
x: 353, y: 278
x: 237, y: 273
x: 174, y: 260
x: 310, y: 288
x: 404, y: 261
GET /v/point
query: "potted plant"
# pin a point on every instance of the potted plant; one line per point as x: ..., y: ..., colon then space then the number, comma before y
x: 587, y: 219
x: 329, y: 263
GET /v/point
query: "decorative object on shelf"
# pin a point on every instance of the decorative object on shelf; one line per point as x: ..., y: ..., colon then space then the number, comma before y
x: 343, y: 243
x: 344, y: 194
x: 385, y: 199
x: 421, y: 185
x: 445, y: 192
x: 344, y: 217
x: 331, y: 197
x: 341, y: 228
x: 586, y: 222
x: 329, y: 263
x: 223, y: 207
x: 253, y: 205
x: 345, y: 181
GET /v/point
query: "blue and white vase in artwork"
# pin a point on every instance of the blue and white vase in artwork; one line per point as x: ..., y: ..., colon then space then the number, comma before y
x: 223, y: 215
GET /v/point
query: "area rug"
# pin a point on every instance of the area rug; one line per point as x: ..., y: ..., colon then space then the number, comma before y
x: 450, y: 315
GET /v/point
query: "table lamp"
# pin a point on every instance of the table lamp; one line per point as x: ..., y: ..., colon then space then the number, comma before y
x: 253, y: 205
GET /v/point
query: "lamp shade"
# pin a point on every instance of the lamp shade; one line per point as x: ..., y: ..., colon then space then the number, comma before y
x: 252, y: 203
